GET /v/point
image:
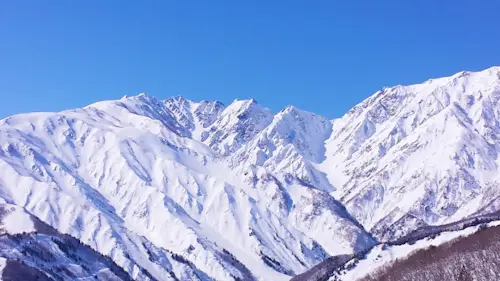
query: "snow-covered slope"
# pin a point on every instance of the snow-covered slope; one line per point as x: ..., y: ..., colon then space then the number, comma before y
x: 129, y: 179
x: 184, y: 190
x: 237, y: 125
x: 422, y: 154
x: 32, y: 250
x: 196, y: 117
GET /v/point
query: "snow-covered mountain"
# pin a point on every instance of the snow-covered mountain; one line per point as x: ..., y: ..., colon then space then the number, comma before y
x: 182, y: 190
x: 32, y: 250
x: 409, y: 156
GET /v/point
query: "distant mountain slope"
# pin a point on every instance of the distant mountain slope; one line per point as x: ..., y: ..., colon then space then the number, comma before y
x: 31, y: 250
x: 182, y: 190
x: 419, y: 155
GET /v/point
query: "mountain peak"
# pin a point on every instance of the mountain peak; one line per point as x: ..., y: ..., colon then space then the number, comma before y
x: 179, y: 99
x: 140, y: 96
x: 290, y: 108
x: 137, y: 96
x: 241, y: 105
x: 181, y: 189
x: 239, y: 122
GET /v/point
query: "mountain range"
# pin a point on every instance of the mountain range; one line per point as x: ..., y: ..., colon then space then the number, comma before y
x: 196, y: 190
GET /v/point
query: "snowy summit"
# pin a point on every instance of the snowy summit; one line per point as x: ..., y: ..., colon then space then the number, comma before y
x: 183, y: 190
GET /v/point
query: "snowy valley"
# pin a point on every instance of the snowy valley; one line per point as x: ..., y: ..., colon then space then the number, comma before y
x: 184, y: 190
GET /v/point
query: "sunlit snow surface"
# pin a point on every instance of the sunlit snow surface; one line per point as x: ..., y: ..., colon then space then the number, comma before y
x: 201, y: 191
x: 14, y: 220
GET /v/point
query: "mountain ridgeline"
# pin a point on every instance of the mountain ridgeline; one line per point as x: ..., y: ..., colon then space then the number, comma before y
x: 183, y: 190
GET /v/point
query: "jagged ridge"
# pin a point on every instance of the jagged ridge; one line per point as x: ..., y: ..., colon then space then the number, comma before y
x: 186, y: 190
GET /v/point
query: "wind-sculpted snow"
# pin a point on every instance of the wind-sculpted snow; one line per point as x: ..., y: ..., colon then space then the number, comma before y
x: 182, y: 190
x: 237, y: 125
x: 194, y: 116
x: 130, y: 179
x: 418, y: 155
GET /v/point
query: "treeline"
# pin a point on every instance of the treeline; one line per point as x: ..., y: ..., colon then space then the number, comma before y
x: 327, y: 270
x: 472, y: 258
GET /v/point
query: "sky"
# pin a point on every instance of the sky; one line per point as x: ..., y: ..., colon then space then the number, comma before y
x: 321, y: 56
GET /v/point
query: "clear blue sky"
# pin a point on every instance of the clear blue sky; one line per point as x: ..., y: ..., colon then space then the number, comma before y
x: 321, y: 56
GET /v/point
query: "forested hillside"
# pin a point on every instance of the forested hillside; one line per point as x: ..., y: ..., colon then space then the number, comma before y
x: 472, y: 258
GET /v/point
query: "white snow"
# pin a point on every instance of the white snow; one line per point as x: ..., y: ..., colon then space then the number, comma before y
x: 279, y: 192
x: 16, y: 220
x: 3, y: 263
x: 429, y: 150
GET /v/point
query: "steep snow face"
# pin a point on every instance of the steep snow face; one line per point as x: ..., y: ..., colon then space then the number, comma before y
x: 93, y: 175
x: 289, y: 147
x: 237, y: 125
x: 416, y: 155
x: 194, y: 116
x: 145, y: 106
x: 280, y: 161
x: 129, y: 179
x: 305, y: 132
